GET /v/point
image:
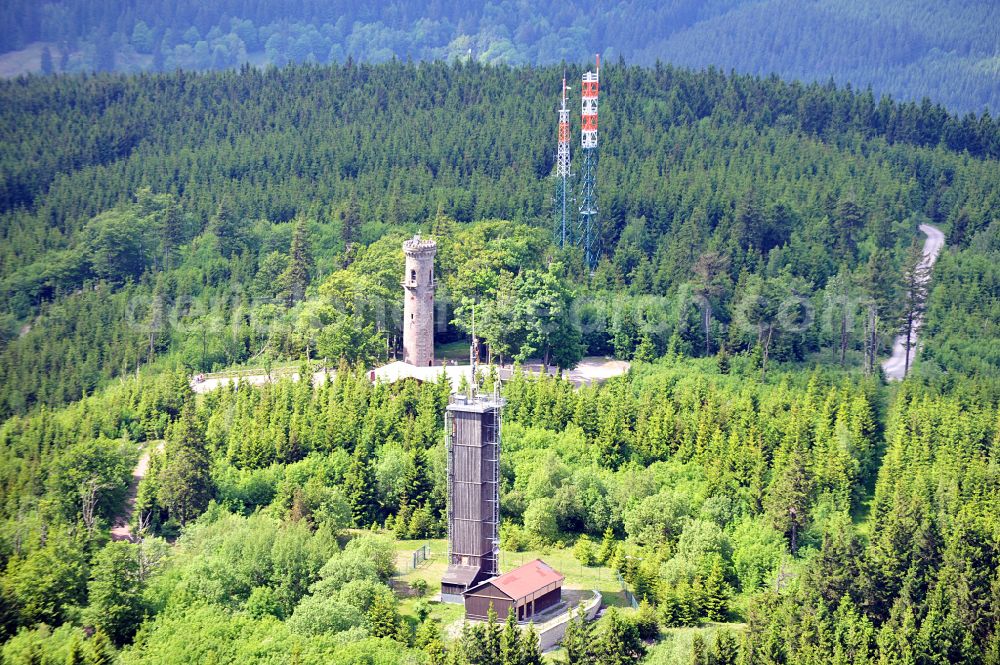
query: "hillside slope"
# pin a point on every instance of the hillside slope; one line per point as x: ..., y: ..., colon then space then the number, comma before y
x: 149, y: 216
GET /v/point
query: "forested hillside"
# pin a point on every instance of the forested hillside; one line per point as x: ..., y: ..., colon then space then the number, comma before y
x: 907, y: 48
x: 840, y: 521
x: 761, y: 490
x: 148, y: 217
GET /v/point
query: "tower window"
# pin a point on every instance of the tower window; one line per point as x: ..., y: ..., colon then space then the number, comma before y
x: 413, y: 276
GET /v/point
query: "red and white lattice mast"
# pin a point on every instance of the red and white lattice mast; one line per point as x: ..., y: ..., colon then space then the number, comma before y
x: 562, y: 165
x: 589, y: 228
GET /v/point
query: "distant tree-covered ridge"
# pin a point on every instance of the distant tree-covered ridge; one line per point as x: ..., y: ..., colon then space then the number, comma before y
x: 908, y: 48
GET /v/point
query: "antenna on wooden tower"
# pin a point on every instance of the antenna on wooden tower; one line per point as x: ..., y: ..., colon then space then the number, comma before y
x: 473, y: 355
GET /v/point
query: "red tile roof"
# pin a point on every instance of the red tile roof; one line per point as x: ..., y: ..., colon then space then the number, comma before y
x: 527, y: 579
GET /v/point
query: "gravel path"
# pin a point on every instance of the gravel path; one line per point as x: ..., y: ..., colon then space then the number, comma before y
x: 591, y: 370
x: 122, y: 529
x: 254, y: 378
x: 895, y: 367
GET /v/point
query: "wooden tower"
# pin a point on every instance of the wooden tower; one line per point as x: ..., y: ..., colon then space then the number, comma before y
x: 472, y: 437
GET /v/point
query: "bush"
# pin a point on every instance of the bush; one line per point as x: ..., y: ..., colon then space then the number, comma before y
x: 262, y: 602
x: 646, y: 621
x: 422, y: 609
x: 585, y: 552
x: 540, y: 520
x: 757, y: 552
x: 316, y: 615
x: 421, y: 524
x: 514, y: 538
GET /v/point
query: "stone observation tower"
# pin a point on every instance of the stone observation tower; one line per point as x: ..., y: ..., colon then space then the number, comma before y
x: 418, y: 303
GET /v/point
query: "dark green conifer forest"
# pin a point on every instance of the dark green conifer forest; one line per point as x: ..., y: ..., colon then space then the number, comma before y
x: 764, y: 493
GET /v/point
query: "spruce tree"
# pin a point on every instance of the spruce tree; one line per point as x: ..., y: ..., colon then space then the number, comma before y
x: 788, y: 495
x: 607, y: 546
x: 34, y: 655
x: 687, y: 604
x: 430, y: 640
x: 225, y: 227
x: 914, y: 287
x: 171, y: 231
x: 645, y: 352
x: 481, y: 642
x: 472, y: 646
x: 350, y: 221
x: 417, y: 481
x: 510, y: 641
x: 101, y: 650
x: 401, y: 523
x: 835, y: 571
x: 579, y: 640
x: 421, y: 524
x: 361, y: 487
x: 619, y: 642
x: 699, y: 653
x: 715, y: 602
x: 437, y: 653
x: 992, y: 649
x: 428, y: 631
x: 722, y: 361
x: 115, y: 591
x: 300, y: 263
x: 531, y: 654
x: 493, y: 635
x: 646, y: 621
x: 696, y: 597
x: 711, y: 278
x: 75, y: 656
x: 645, y: 580
x: 725, y: 650
x: 185, y: 484
x: 383, y: 616
x: 670, y: 609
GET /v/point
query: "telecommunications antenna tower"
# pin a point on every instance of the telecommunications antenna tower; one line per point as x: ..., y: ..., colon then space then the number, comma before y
x: 562, y: 166
x: 589, y: 226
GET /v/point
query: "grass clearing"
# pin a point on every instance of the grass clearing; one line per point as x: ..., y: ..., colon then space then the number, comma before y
x: 430, y: 571
x: 674, y: 645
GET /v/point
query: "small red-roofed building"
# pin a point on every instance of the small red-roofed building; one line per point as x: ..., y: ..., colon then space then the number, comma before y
x: 530, y: 590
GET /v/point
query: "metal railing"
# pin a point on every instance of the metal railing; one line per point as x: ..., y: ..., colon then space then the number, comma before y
x: 413, y: 560
x: 629, y: 596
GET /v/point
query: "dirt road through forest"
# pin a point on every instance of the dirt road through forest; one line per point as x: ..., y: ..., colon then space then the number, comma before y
x: 895, y: 367
x: 122, y: 529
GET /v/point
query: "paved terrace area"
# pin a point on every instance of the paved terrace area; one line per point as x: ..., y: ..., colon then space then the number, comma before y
x: 590, y: 371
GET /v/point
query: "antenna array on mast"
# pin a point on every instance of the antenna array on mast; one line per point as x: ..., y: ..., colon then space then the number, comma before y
x: 587, y: 232
x: 589, y: 226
